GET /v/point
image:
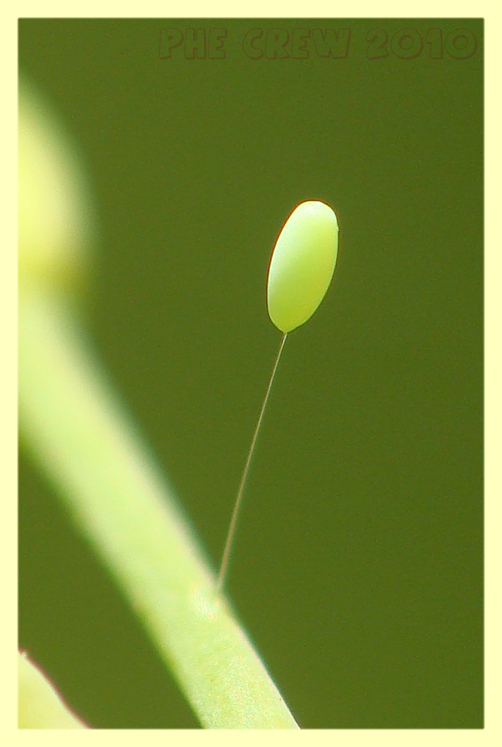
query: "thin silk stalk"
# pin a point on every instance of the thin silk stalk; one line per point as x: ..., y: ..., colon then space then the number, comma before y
x: 231, y: 531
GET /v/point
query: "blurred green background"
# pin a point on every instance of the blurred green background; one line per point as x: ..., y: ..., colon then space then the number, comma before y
x: 359, y: 557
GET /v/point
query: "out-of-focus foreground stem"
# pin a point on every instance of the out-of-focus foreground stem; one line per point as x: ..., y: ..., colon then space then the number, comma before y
x: 40, y: 706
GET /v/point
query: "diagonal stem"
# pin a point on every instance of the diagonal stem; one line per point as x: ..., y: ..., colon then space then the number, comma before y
x: 77, y: 430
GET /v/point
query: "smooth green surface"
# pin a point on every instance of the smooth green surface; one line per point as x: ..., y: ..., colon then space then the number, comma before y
x: 358, y: 568
x: 55, y: 217
x: 39, y: 704
x: 302, y: 264
x: 76, y: 431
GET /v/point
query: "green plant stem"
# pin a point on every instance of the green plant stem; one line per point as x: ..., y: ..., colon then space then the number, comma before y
x: 80, y: 435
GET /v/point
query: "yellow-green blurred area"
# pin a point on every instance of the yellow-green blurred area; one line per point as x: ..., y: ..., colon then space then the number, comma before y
x: 359, y: 555
x: 39, y: 704
x: 56, y: 221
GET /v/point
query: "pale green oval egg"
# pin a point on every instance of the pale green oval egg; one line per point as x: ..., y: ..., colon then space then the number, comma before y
x: 302, y: 264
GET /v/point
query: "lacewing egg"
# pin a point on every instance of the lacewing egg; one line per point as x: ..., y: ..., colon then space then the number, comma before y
x: 302, y: 264
x: 300, y: 271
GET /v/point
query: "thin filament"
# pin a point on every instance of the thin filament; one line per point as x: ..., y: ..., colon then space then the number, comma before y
x: 231, y: 531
